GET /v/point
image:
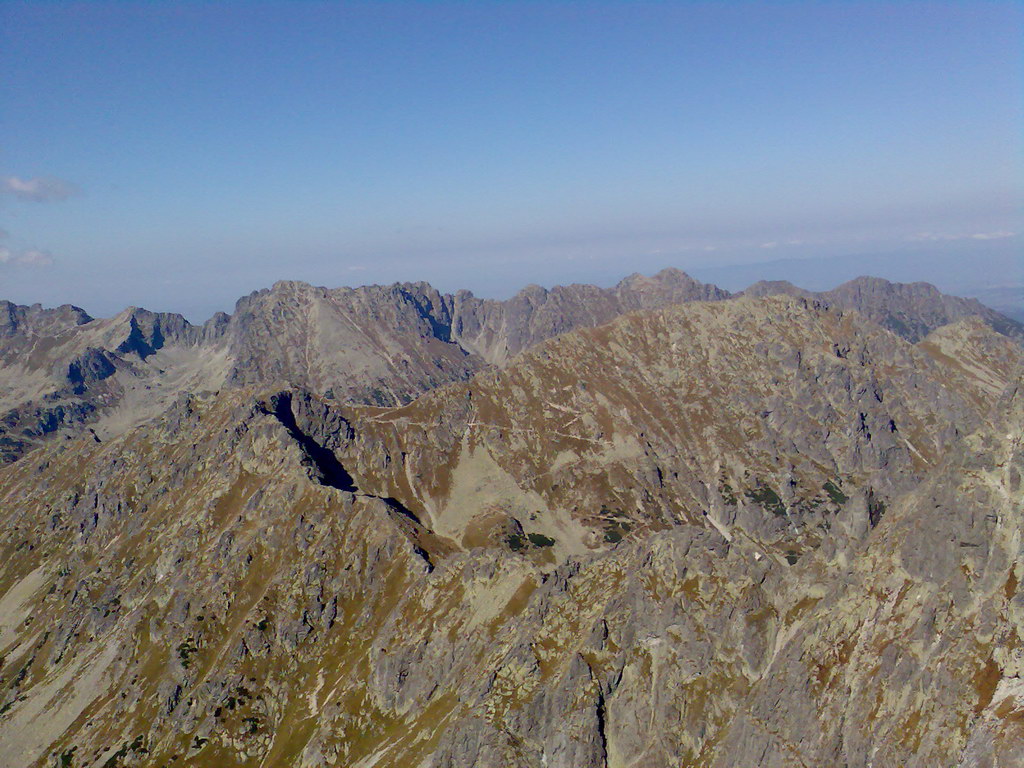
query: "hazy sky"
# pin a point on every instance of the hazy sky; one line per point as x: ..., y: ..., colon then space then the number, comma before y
x: 178, y: 155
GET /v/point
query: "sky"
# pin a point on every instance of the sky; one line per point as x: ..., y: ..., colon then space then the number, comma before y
x: 177, y: 155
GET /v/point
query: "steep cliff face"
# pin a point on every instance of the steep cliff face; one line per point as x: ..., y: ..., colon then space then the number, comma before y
x: 762, y: 532
x: 378, y: 345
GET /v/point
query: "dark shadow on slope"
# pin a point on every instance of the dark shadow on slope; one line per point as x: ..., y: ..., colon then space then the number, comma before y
x: 332, y: 473
x: 396, y: 506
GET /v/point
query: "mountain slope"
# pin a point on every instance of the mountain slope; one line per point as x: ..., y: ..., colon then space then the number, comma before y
x: 719, y: 410
x: 60, y: 369
x: 624, y: 548
x: 913, y: 657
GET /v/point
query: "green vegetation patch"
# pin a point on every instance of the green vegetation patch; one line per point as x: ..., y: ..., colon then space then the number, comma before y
x: 615, y: 530
x: 540, y: 540
x: 186, y: 650
x: 768, y: 499
x: 727, y: 493
x: 517, y: 542
x: 136, y: 747
x: 876, y: 508
x: 835, y: 493
x: 242, y: 693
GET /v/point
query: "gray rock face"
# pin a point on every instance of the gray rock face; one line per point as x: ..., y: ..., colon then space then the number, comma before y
x: 911, y: 659
x: 756, y: 532
x: 497, y: 330
x: 20, y: 320
x: 767, y: 417
x: 61, y: 369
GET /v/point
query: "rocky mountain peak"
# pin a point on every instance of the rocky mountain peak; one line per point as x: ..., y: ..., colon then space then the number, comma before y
x: 18, y: 319
x: 910, y: 310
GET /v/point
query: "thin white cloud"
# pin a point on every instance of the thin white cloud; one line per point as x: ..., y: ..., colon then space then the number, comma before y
x: 42, y: 189
x: 992, y: 235
x: 33, y: 257
x: 29, y: 257
x: 931, y: 237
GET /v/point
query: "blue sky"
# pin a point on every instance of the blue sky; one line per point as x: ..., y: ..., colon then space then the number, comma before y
x: 178, y: 155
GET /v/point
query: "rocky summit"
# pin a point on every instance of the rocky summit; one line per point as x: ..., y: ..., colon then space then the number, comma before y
x: 649, y: 526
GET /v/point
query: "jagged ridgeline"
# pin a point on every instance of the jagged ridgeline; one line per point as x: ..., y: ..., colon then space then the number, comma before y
x: 61, y: 370
x: 654, y: 525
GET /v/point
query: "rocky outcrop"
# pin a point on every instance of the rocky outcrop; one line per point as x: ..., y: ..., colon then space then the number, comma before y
x: 17, y: 320
x: 912, y: 657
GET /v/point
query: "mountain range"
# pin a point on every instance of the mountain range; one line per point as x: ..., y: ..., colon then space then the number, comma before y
x: 653, y: 525
x: 61, y: 369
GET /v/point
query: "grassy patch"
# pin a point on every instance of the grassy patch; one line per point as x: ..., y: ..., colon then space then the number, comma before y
x: 986, y: 679
x: 185, y: 651
x: 615, y: 530
x: 726, y: 492
x: 835, y: 493
x: 768, y: 499
x: 517, y: 542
